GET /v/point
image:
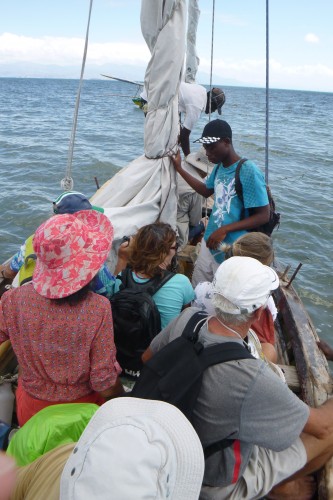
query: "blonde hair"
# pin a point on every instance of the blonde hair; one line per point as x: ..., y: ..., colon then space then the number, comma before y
x: 256, y: 245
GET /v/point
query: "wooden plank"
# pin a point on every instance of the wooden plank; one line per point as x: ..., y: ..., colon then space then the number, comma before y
x: 291, y: 376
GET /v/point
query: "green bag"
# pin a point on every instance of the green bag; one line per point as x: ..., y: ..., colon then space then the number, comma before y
x: 51, y: 427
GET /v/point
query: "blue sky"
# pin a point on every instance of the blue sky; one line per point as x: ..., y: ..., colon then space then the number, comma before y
x: 45, y: 39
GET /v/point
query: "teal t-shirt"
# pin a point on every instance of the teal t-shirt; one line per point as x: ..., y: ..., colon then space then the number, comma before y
x: 171, y: 298
x: 227, y: 206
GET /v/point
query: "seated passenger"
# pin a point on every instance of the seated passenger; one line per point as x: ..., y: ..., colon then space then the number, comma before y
x: 276, y: 439
x: 131, y: 449
x: 62, y: 333
x: 149, y: 295
x: 258, y: 246
x: 151, y: 252
x: 22, y: 264
x: 190, y: 203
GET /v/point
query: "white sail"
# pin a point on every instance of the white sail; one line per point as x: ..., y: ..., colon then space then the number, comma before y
x: 145, y: 190
x: 192, y: 59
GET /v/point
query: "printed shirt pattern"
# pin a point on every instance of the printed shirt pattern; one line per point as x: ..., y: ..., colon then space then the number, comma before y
x: 227, y: 206
x: 64, y: 351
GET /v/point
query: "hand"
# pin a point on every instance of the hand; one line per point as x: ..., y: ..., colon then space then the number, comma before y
x: 6, y: 272
x: 326, y: 349
x: 216, y: 238
x: 205, y: 220
x: 176, y: 160
x: 125, y: 247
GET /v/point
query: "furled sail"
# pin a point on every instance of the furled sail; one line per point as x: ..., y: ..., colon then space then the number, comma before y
x: 192, y: 59
x: 145, y: 190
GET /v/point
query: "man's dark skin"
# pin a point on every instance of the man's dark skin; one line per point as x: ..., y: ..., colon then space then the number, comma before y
x: 184, y: 136
x: 223, y: 153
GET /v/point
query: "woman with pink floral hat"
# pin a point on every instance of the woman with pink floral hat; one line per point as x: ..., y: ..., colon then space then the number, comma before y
x: 62, y: 333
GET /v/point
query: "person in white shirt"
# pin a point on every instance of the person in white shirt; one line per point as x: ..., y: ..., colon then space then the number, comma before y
x: 193, y: 100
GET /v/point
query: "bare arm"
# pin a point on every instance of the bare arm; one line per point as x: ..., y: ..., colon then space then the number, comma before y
x: 184, y: 139
x: 326, y: 349
x: 196, y: 184
x: 261, y: 216
x: 114, y: 391
x: 320, y: 421
x: 123, y: 255
x: 147, y: 355
x: 6, y: 272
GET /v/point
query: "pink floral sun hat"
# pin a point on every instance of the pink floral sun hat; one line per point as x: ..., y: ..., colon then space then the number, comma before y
x: 70, y: 249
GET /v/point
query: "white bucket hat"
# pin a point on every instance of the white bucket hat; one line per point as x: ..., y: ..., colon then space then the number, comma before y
x: 245, y: 282
x: 135, y: 449
x: 203, y: 297
x: 200, y: 161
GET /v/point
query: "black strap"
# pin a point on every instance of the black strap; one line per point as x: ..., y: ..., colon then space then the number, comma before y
x: 151, y: 286
x: 238, y: 184
x: 213, y: 355
x: 227, y: 351
x: 194, y: 325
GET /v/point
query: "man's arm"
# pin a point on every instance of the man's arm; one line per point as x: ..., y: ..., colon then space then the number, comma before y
x: 260, y: 217
x: 114, y: 391
x: 196, y: 184
x: 184, y: 139
x: 320, y: 421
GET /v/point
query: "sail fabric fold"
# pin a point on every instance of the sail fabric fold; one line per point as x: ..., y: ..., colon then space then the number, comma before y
x: 192, y: 59
x: 145, y: 190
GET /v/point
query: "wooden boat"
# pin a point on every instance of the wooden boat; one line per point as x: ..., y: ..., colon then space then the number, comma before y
x: 305, y: 367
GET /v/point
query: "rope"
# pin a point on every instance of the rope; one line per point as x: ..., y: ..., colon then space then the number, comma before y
x: 211, y: 60
x: 267, y: 92
x: 67, y: 183
x: 8, y: 379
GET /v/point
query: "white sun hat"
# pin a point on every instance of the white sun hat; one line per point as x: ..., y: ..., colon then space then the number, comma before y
x: 244, y: 282
x: 199, y: 160
x: 135, y: 449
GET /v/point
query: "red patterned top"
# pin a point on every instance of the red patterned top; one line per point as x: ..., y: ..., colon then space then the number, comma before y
x: 64, y: 351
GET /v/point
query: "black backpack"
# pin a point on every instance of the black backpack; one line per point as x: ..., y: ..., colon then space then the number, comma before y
x: 174, y: 374
x: 136, y: 319
x: 274, y: 218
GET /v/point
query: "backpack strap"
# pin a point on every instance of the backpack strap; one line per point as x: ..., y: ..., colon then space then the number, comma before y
x: 215, y: 354
x: 238, y: 184
x: 151, y: 286
x: 193, y: 326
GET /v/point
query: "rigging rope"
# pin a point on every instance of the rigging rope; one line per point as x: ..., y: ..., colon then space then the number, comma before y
x: 211, y: 60
x: 267, y: 92
x: 67, y: 183
x: 210, y: 87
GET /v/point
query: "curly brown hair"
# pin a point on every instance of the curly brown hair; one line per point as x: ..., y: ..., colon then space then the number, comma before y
x: 150, y: 247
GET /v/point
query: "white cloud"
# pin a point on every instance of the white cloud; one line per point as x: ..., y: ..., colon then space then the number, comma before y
x: 16, y: 52
x: 311, y: 38
x: 68, y: 51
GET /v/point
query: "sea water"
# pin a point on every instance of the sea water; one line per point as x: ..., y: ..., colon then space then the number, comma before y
x: 35, y: 127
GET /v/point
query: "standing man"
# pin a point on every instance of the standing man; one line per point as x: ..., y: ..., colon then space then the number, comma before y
x: 190, y: 203
x: 193, y: 99
x: 228, y: 221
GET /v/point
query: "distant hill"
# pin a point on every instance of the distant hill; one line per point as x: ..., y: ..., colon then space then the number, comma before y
x: 136, y: 73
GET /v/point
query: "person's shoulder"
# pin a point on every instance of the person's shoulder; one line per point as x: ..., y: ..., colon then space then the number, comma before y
x: 251, y: 172
x: 186, y: 315
x: 98, y: 300
x: 250, y: 164
x: 179, y: 278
